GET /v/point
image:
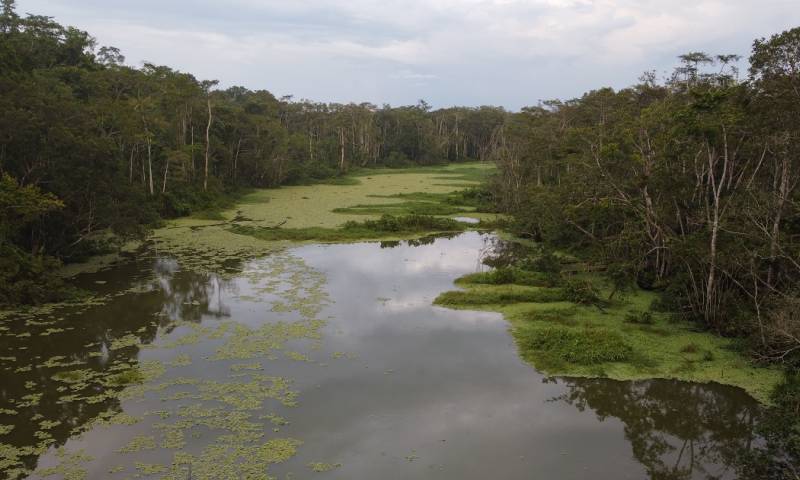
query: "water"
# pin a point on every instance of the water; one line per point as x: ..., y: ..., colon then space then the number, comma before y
x: 388, y: 387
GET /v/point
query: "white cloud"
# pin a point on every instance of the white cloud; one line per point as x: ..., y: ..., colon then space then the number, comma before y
x: 508, y: 52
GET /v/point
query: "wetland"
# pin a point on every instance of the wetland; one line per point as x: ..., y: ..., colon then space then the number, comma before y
x: 216, y: 353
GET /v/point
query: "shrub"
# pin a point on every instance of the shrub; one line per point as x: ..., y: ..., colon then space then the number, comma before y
x: 581, y: 292
x: 406, y: 223
x: 505, y: 276
x: 498, y: 297
x: 584, y: 347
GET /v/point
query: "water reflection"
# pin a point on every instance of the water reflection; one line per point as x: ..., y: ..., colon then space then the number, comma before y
x: 37, y: 348
x: 397, y: 388
x: 677, y: 430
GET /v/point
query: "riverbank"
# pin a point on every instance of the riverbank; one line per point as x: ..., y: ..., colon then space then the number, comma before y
x: 573, y: 326
x: 630, y: 340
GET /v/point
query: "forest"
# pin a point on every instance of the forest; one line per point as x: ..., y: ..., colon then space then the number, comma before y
x: 90, y: 146
x: 684, y: 187
x: 687, y: 186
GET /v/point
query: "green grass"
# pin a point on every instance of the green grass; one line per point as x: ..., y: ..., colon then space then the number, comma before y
x: 560, y: 333
x: 586, y: 346
x: 505, y: 295
x: 387, y: 226
x: 504, y: 276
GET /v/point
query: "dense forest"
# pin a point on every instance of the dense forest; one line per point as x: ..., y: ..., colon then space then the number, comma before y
x: 90, y: 146
x: 687, y: 186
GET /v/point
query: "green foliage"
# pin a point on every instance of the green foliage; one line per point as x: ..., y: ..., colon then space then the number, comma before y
x: 606, y: 176
x: 581, y: 346
x: 506, y: 275
x: 123, y: 147
x: 386, y: 226
x: 582, y: 292
x: 499, y: 296
x: 26, y: 276
x: 406, y: 223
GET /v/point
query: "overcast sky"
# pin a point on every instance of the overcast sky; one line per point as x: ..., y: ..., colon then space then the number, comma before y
x: 448, y: 52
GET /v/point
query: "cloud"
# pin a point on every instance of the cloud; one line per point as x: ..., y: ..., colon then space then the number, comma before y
x: 472, y: 52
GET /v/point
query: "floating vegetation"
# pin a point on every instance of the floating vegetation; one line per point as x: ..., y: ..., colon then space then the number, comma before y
x: 71, y: 465
x: 150, y: 469
x: 139, y: 443
x: 297, y: 356
x: 182, y: 360
x: 246, y: 343
x: 108, y: 376
x: 239, y: 367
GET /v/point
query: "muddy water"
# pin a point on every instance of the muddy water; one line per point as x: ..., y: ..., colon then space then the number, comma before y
x: 331, y: 358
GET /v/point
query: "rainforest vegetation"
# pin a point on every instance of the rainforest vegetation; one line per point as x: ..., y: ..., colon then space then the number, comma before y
x: 679, y: 192
x: 89, y: 146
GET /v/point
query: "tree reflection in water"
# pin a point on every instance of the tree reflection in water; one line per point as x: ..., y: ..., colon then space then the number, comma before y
x: 151, y: 306
x: 677, y: 430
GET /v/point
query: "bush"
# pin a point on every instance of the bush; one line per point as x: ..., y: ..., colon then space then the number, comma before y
x: 499, y: 297
x: 584, y: 347
x: 505, y: 276
x: 397, y: 159
x: 581, y: 292
x: 546, y: 262
x: 406, y: 223
x: 30, y: 279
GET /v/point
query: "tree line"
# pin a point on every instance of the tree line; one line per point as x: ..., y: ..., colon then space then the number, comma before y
x: 89, y: 145
x: 686, y: 185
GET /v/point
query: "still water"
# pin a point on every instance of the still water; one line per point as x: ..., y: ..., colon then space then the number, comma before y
x: 337, y: 351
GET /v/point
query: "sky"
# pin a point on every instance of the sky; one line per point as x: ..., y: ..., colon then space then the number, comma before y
x: 509, y: 53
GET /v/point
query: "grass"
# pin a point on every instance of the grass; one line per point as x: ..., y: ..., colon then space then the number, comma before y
x: 560, y: 332
x: 386, y: 226
x: 504, y: 295
x: 587, y: 346
x: 504, y: 276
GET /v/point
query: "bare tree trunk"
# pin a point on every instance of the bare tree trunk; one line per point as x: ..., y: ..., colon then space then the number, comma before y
x: 783, y: 193
x: 341, y: 147
x: 150, y: 163
x: 192, y: 150
x: 717, y: 186
x: 133, y: 152
x: 236, y: 157
x: 166, y: 171
x: 208, y: 145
